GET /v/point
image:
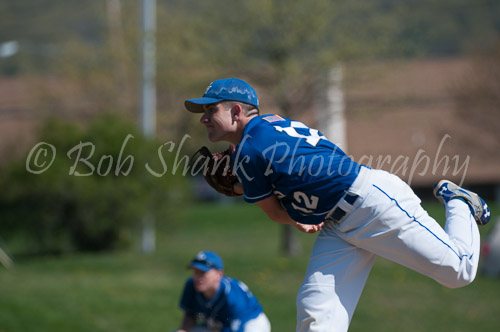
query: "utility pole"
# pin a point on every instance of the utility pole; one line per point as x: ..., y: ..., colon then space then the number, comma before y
x: 119, y: 54
x: 332, y: 115
x: 148, y: 94
x: 147, y: 114
x: 5, y: 259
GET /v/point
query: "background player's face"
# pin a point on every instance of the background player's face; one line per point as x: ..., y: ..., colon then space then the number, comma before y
x: 207, y: 281
x: 218, y: 121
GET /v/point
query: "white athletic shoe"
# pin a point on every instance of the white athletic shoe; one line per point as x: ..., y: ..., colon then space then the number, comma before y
x: 446, y: 190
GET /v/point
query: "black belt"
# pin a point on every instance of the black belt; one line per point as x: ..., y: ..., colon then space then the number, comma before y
x: 338, y: 213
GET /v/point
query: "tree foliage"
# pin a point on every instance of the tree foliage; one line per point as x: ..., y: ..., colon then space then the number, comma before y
x: 94, y: 193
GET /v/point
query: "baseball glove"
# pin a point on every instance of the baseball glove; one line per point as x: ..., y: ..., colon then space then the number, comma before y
x: 218, y: 170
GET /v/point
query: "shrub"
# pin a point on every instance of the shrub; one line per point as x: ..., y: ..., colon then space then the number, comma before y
x: 94, y: 193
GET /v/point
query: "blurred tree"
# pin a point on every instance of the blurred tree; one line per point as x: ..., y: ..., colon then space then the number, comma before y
x: 95, y: 72
x: 437, y: 28
x: 94, y: 193
x: 43, y: 27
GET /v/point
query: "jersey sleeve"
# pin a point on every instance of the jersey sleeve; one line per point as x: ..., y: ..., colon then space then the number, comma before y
x: 251, y: 169
x: 243, y: 305
x: 187, y: 298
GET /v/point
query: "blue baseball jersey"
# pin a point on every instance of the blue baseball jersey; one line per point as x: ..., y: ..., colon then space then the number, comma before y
x: 231, y: 307
x: 307, y: 173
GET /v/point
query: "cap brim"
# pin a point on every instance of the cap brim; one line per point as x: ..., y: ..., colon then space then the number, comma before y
x: 196, y: 105
x: 199, y: 266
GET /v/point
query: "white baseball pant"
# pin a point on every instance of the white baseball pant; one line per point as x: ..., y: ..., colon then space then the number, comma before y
x: 258, y: 324
x: 386, y: 220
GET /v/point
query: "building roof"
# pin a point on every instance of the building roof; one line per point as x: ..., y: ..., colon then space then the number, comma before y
x: 402, y: 117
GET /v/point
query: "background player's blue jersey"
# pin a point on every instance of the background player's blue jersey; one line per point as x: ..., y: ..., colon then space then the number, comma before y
x: 231, y: 307
x: 282, y: 157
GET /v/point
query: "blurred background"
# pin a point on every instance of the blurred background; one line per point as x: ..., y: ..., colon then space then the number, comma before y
x: 100, y: 213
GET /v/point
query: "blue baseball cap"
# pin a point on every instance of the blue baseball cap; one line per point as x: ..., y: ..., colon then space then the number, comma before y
x: 206, y: 260
x: 230, y: 89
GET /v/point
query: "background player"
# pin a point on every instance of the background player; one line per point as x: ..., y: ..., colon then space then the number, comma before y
x: 298, y: 177
x: 214, y: 302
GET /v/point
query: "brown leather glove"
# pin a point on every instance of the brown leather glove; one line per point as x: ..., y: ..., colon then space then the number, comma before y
x: 218, y: 170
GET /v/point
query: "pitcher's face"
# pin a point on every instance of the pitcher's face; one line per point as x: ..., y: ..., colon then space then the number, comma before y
x: 219, y: 121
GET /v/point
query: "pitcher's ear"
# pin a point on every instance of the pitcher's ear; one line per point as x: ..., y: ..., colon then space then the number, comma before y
x: 236, y: 111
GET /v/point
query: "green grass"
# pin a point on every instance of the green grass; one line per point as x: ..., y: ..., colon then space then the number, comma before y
x: 133, y: 292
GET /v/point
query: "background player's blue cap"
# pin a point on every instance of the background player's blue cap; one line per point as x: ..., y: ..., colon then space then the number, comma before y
x: 206, y: 260
x: 231, y: 89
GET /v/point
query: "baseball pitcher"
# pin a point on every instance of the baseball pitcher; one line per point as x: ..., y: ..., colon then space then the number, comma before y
x: 298, y: 177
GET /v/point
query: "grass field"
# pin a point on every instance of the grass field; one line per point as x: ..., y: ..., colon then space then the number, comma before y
x: 132, y: 292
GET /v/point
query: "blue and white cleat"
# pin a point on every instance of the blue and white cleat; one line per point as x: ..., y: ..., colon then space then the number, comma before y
x: 446, y: 190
